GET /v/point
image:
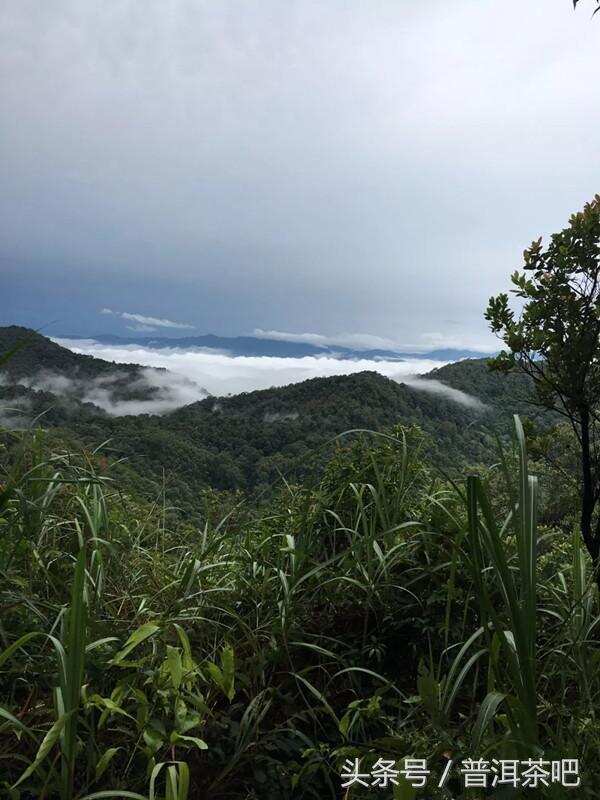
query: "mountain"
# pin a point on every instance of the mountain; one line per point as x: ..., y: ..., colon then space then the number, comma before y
x: 254, y: 346
x: 252, y: 440
x: 36, y: 352
x: 41, y: 376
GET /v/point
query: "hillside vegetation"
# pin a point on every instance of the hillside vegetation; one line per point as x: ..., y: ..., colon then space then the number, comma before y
x: 34, y: 354
x: 265, y: 643
x: 379, y: 615
x: 252, y: 441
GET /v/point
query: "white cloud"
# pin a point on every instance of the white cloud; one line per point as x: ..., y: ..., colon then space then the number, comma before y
x: 147, y: 323
x: 166, y: 391
x: 14, y: 414
x: 438, y: 341
x: 285, y: 416
x: 222, y: 374
x: 362, y: 341
x: 439, y: 388
x: 367, y: 341
x: 172, y: 391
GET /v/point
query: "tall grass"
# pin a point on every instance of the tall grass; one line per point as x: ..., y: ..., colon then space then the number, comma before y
x: 513, y: 621
x: 384, y: 612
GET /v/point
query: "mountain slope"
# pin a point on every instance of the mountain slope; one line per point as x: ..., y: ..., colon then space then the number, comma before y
x: 511, y: 393
x: 252, y: 440
x: 41, y: 371
x: 40, y: 353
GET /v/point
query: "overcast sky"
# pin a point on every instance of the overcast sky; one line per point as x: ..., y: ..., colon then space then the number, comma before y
x: 330, y: 167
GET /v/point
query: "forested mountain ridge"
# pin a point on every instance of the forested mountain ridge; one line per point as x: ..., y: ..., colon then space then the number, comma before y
x: 36, y: 352
x: 41, y: 376
x: 251, y: 440
x: 511, y: 393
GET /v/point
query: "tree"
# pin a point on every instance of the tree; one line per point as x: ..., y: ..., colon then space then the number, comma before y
x: 575, y: 3
x: 556, y: 341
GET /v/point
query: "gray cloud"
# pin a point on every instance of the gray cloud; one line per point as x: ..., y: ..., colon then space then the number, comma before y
x: 310, y: 166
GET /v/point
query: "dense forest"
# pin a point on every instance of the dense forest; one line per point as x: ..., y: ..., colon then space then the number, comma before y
x: 251, y: 441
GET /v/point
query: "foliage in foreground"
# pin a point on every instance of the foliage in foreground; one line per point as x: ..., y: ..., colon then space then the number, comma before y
x: 381, y: 614
x: 555, y: 341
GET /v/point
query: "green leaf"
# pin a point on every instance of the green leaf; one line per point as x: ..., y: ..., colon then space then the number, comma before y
x: 404, y: 790
x: 487, y: 711
x: 6, y: 654
x: 224, y: 676
x: 105, y: 760
x: 187, y: 720
x: 429, y: 690
x: 174, y: 666
x: 187, y: 660
x: 48, y: 742
x: 153, y: 777
x: 215, y: 673
x: 153, y: 739
x: 109, y: 705
x: 316, y: 693
x: 178, y: 737
x: 345, y: 723
x: 140, y: 635
x: 100, y: 643
x: 75, y: 663
x: 14, y: 721
x: 228, y: 669
x: 114, y: 793
x: 184, y: 781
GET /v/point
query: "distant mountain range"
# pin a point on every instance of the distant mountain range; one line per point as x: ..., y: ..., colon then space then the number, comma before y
x: 255, y: 346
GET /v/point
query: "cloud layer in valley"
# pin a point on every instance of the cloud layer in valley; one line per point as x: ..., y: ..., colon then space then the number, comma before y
x: 222, y: 374
x: 436, y: 387
x: 151, y: 392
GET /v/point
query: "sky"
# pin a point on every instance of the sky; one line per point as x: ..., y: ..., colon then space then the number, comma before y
x: 333, y: 169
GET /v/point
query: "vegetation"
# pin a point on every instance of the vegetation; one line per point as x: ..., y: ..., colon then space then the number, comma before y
x: 251, y: 441
x: 368, y: 609
x: 576, y: 2
x: 253, y: 657
x: 33, y: 352
x: 556, y: 342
